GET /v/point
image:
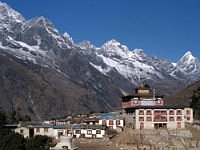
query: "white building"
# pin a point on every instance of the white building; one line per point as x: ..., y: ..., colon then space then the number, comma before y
x: 162, y: 117
x: 44, y: 129
x: 112, y: 121
x: 86, y: 131
x: 148, y: 111
x: 25, y: 131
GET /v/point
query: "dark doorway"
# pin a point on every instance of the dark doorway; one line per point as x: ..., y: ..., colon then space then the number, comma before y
x: 31, y: 132
x: 60, y: 134
x: 160, y: 125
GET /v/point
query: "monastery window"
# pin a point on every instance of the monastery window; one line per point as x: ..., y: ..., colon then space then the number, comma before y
x: 178, y: 124
x: 163, y: 118
x: 141, y: 118
x: 89, y: 132
x: 45, y: 130
x: 69, y: 131
x: 98, y: 131
x: 148, y: 112
x: 171, y: 118
x: 188, y: 118
x: 141, y: 112
x: 160, y: 112
x: 38, y: 130
x: 103, y: 122
x: 163, y: 112
x: 78, y: 131
x: 171, y: 112
x: 149, y: 119
x: 110, y: 122
x: 117, y: 122
x: 188, y: 112
x: 178, y: 112
x: 179, y: 118
x: 21, y: 131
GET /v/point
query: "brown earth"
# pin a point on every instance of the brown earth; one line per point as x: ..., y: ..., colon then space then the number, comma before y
x: 183, y: 97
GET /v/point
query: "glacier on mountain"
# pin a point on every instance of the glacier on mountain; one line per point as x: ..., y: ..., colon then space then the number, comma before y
x: 46, y: 46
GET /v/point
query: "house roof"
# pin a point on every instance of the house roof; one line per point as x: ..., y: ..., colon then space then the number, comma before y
x: 64, y: 119
x: 93, y: 119
x: 159, y: 107
x: 49, y: 125
x: 11, y: 126
x: 109, y: 116
x: 140, y: 97
x: 59, y: 127
x: 95, y: 127
x: 81, y: 126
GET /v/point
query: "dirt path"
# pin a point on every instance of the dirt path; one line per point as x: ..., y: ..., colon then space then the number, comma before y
x: 95, y: 144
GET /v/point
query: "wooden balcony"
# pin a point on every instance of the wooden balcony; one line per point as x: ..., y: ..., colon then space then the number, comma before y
x: 160, y: 112
x: 160, y: 120
x: 148, y: 113
x: 130, y: 104
x: 141, y: 113
x: 178, y: 113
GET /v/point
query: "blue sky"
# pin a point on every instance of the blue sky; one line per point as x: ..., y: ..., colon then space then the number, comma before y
x: 165, y: 28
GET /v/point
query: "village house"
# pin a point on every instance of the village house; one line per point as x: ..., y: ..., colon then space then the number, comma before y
x: 89, y: 130
x: 25, y: 131
x: 86, y: 131
x: 90, y: 121
x: 25, y: 128
x: 112, y: 121
x: 18, y: 128
x: 45, y: 129
x: 148, y: 111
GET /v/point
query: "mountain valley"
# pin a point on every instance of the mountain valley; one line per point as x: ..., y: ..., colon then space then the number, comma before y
x: 44, y: 74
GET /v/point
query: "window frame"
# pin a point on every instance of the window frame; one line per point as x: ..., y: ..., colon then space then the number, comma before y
x: 46, y: 130
x: 111, y: 122
x: 37, y: 130
x: 89, y: 132
x: 98, y: 131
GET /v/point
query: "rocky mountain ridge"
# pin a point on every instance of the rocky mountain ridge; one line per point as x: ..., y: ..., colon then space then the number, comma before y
x: 137, y: 67
x: 45, y: 74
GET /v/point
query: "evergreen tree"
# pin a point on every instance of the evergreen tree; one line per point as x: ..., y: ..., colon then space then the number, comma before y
x: 195, y: 103
x: 10, y: 140
x: 2, y: 118
x: 39, y: 143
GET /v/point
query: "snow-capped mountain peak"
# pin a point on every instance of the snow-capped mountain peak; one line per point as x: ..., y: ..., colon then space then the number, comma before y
x: 48, y: 34
x: 115, y: 49
x: 9, y: 18
x: 112, y: 42
x: 187, y: 58
x: 7, y: 14
x: 139, y: 52
x: 39, y: 21
x: 114, y: 45
x: 86, y: 45
x: 188, y: 63
x: 68, y: 38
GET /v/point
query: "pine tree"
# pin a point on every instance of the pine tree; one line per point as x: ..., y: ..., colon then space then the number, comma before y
x: 195, y: 103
